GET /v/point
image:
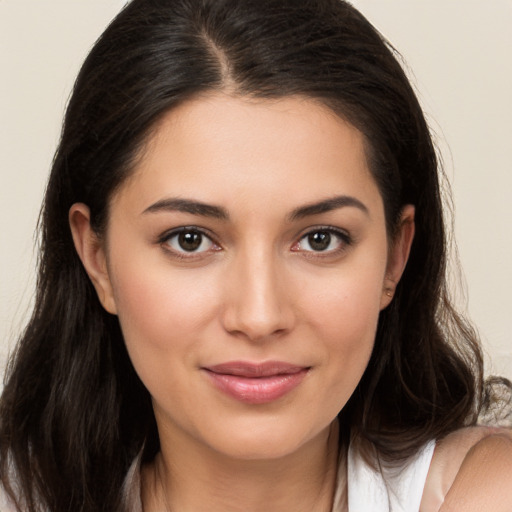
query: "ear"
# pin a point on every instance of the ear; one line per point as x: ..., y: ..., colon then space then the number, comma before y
x: 91, y: 251
x: 398, y: 254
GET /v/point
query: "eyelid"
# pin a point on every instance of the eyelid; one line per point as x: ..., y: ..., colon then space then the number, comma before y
x: 342, y: 234
x: 164, y: 238
x: 346, y: 240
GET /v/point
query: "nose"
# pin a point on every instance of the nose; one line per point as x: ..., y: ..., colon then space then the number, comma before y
x: 258, y: 302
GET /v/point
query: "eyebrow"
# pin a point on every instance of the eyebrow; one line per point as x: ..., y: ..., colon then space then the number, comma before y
x: 327, y: 205
x: 217, y: 212
x: 188, y: 206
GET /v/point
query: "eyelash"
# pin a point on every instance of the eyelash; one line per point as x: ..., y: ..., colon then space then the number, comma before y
x: 345, y: 241
x: 165, y: 239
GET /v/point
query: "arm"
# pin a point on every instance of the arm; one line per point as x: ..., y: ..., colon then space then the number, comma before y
x: 484, y: 480
x: 471, y: 471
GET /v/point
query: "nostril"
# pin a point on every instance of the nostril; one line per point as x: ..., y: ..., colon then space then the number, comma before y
x: 240, y: 323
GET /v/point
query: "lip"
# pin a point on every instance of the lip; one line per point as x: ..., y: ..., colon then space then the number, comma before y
x: 256, y: 383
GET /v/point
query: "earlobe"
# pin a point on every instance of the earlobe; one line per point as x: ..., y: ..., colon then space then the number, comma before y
x: 91, y: 252
x: 398, y: 254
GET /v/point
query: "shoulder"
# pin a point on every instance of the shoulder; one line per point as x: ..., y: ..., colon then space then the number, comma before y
x: 471, y: 470
x: 5, y: 503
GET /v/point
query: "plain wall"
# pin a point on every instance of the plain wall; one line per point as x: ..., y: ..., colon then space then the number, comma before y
x: 459, y: 54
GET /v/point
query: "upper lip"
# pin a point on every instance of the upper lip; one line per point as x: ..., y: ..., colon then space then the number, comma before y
x: 254, y: 370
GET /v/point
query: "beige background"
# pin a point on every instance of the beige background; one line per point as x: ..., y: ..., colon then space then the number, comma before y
x: 459, y: 51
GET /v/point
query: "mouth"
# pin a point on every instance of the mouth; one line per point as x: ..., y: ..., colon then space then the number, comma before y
x: 256, y: 383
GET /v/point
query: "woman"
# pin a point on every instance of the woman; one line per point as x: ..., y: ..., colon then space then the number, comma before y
x: 241, y: 299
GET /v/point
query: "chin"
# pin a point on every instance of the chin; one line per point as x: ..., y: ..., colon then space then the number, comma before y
x: 266, y: 442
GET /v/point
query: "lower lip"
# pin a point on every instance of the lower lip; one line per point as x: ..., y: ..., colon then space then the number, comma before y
x: 259, y: 390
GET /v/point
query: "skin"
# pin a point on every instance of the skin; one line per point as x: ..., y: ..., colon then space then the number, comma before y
x: 471, y: 471
x: 257, y: 290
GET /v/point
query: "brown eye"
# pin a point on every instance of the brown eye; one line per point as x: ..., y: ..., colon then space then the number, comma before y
x: 189, y: 241
x: 319, y: 241
x: 324, y: 240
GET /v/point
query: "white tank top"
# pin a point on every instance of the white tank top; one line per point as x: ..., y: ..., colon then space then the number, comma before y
x: 387, y: 490
x: 369, y: 490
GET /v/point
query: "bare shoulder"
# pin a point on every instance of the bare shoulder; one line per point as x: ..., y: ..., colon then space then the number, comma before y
x: 471, y: 470
x: 5, y: 503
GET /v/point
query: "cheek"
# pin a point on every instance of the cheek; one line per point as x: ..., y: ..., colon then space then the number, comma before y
x: 346, y: 303
x: 348, y: 336
x: 161, y: 310
x: 348, y: 324
x: 344, y: 313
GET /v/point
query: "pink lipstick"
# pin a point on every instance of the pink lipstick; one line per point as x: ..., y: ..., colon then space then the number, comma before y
x: 254, y: 383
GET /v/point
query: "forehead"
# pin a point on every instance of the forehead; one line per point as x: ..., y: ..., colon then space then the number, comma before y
x: 229, y: 149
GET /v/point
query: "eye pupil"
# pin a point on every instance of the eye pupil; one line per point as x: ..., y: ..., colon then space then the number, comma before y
x: 189, y: 240
x: 320, y: 240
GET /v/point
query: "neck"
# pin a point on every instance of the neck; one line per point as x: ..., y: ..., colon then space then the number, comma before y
x: 197, y: 481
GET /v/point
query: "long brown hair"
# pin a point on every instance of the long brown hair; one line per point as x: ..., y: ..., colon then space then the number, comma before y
x: 73, y: 413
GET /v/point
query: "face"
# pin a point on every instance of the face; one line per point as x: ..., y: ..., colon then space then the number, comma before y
x: 247, y: 259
